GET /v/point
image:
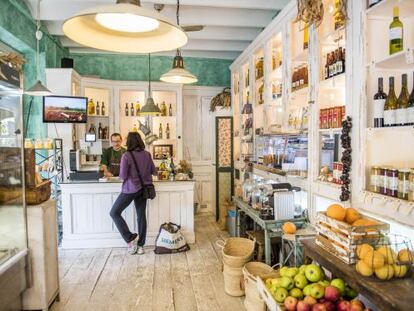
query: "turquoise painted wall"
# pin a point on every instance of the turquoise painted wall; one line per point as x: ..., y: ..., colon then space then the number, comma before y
x: 210, y: 72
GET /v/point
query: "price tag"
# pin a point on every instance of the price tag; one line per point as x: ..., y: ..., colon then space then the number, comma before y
x: 409, y: 56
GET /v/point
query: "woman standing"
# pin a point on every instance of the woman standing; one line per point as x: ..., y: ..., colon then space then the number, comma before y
x: 136, y: 158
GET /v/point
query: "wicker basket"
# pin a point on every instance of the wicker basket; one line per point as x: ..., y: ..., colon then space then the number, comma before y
x: 252, y: 271
x: 233, y: 281
x: 236, y: 251
x: 39, y: 194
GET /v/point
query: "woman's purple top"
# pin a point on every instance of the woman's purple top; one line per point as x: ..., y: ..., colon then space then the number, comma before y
x: 129, y: 173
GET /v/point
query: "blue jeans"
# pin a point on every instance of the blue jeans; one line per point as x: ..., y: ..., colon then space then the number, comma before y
x: 121, y: 203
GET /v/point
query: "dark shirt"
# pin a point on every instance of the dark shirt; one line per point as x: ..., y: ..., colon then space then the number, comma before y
x: 129, y: 174
x: 107, y: 155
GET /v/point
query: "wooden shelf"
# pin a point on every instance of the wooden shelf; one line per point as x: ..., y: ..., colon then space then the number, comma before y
x: 395, y: 294
x: 98, y: 117
x: 385, y: 9
x: 293, y: 180
x: 403, y: 60
x: 334, y: 82
x: 327, y: 189
x: 377, y: 130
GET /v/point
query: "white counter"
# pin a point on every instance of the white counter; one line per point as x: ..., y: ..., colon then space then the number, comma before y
x: 86, y: 206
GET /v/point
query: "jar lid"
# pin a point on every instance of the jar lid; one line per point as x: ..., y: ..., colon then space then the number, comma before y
x: 404, y: 170
x: 393, y: 169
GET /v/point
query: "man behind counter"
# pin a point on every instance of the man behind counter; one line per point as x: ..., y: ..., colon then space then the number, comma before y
x: 111, y: 157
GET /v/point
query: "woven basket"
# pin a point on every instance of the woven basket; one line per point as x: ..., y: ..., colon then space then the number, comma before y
x: 251, y: 271
x: 236, y: 251
x: 233, y: 281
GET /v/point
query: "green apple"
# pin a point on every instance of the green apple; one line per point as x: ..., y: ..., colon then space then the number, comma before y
x: 307, y: 290
x: 286, y: 282
x: 302, y: 269
x: 313, y: 273
x: 291, y: 272
x: 276, y: 282
x: 297, y: 293
x: 339, y: 284
x: 300, y: 281
x: 281, y: 295
x: 273, y: 289
x: 317, y: 291
x: 283, y: 271
x: 324, y: 283
x: 350, y: 292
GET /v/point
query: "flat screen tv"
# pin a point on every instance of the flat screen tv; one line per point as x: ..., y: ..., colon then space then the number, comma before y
x: 65, y: 109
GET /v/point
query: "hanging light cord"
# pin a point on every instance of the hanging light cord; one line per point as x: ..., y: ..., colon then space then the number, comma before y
x: 149, y: 74
x: 37, y: 38
x: 178, y: 12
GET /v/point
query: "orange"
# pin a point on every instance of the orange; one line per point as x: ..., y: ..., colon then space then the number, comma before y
x: 374, y: 259
x: 363, y: 249
x: 289, y: 228
x: 336, y: 211
x: 352, y: 215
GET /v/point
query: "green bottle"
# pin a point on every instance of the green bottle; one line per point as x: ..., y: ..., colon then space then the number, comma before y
x: 396, y: 33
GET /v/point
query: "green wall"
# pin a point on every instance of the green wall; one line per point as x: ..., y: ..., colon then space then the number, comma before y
x: 210, y: 72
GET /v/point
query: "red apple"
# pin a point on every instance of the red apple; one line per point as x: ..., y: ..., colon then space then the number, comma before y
x: 332, y: 293
x: 319, y: 307
x: 330, y: 306
x: 310, y: 300
x: 343, y: 305
x: 290, y: 303
x: 303, y: 306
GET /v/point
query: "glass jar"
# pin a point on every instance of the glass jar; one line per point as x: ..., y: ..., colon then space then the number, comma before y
x: 392, y: 183
x: 383, y: 180
x: 39, y: 144
x: 48, y: 143
x: 403, y: 184
x: 411, y: 191
x: 375, y: 180
x: 28, y: 143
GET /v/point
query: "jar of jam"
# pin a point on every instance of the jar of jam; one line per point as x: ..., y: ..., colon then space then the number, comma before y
x: 411, y: 191
x: 403, y: 184
x: 392, y: 182
x: 383, y: 183
x: 375, y: 180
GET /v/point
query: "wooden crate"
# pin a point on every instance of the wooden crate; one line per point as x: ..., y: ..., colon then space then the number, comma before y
x: 341, y: 238
x: 30, y: 167
x: 39, y: 194
x: 267, y: 297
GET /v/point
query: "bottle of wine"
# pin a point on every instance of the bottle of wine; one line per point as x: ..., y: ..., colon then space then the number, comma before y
x: 170, y: 110
x: 132, y: 110
x: 390, y: 106
x: 126, y: 110
x: 396, y: 33
x: 327, y: 66
x: 103, y: 111
x: 331, y: 65
x: 402, y: 103
x: 343, y: 58
x: 379, y: 101
x: 98, y: 109
x: 340, y: 62
x: 410, y: 109
x: 306, y: 37
x: 100, y: 136
x: 167, y: 131
x: 160, y: 132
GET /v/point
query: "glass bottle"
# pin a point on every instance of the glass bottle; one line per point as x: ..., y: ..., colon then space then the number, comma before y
x: 100, y: 136
x: 126, y: 110
x: 98, y: 109
x: 306, y: 37
x: 170, y: 110
x: 137, y: 108
x: 132, y: 110
x: 410, y: 108
x: 160, y: 131
x: 103, y: 110
x: 91, y: 107
x: 163, y: 109
x: 390, y: 106
x: 167, y: 131
x: 402, y: 103
x: 379, y: 101
x: 396, y: 34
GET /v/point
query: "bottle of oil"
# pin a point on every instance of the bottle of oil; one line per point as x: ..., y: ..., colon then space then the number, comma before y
x: 91, y: 107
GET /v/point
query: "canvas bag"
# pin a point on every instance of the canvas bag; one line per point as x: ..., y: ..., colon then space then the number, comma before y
x: 170, y: 240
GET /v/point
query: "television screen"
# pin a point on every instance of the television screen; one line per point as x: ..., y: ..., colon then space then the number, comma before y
x: 64, y: 109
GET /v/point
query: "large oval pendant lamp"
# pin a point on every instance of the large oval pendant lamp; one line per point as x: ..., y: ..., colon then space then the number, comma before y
x: 149, y: 108
x: 178, y: 74
x: 125, y: 27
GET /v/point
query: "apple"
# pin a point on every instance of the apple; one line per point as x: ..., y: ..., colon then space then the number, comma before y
x: 276, y: 282
x: 291, y: 272
x: 302, y: 269
x: 286, y: 282
x: 283, y: 270
x: 281, y: 294
x: 317, y: 291
x: 330, y: 306
x: 313, y: 273
x: 310, y: 300
x: 332, y: 293
x: 303, y: 306
x: 350, y: 292
x: 319, y: 307
x: 300, y: 281
x: 324, y: 283
x: 297, y: 293
x: 343, y: 305
x: 290, y: 303
x: 339, y: 284
x: 306, y: 290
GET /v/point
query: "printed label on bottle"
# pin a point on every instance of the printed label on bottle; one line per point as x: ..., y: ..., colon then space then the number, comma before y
x: 404, y: 186
x: 401, y: 116
x: 410, y: 115
x: 379, y: 108
x: 392, y: 183
x: 389, y: 117
x: 396, y: 33
x: 339, y: 68
x: 375, y: 180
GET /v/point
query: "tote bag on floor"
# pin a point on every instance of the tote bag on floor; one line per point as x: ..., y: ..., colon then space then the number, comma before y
x: 170, y: 240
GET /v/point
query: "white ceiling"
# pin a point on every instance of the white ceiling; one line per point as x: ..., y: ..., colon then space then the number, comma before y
x: 230, y: 25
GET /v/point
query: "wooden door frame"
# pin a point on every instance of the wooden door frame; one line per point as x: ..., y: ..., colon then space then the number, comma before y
x: 227, y: 169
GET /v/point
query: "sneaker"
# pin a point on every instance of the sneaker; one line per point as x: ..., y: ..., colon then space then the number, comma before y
x: 140, y: 250
x: 133, y: 246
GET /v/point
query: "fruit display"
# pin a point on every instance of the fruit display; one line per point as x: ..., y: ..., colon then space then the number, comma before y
x: 385, y: 261
x: 340, y: 230
x: 307, y: 289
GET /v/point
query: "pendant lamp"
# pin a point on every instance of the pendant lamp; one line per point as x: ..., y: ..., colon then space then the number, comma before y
x: 125, y: 27
x: 178, y: 74
x: 38, y: 89
x: 149, y: 108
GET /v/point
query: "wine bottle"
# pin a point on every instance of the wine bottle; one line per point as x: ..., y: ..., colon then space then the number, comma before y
x: 390, y: 106
x: 331, y: 65
x: 160, y: 132
x: 327, y: 66
x: 170, y: 111
x: 98, y: 109
x: 306, y: 37
x: 396, y: 33
x: 340, y: 62
x: 402, y: 103
x: 103, y: 111
x: 126, y: 110
x: 410, y: 109
x: 132, y: 110
x: 379, y: 101
x: 167, y: 131
x: 100, y: 136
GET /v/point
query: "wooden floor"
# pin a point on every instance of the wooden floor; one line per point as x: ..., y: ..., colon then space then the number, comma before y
x: 111, y: 279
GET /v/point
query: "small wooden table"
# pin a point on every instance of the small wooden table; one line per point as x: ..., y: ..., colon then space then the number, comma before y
x: 396, y: 294
x: 271, y: 228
